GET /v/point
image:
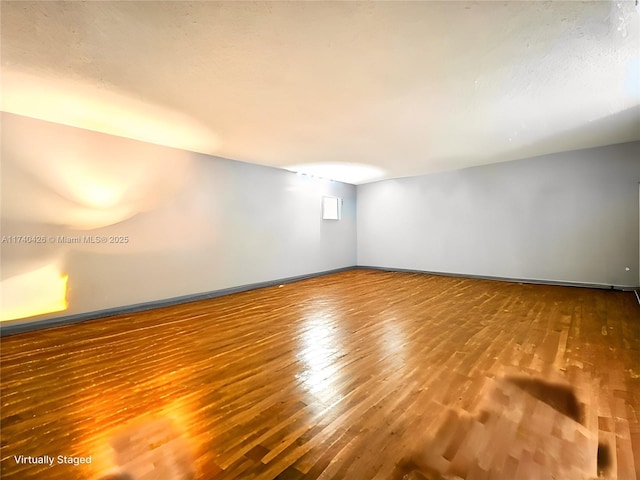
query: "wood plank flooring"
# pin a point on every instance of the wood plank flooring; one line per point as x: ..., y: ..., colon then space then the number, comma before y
x: 357, y: 375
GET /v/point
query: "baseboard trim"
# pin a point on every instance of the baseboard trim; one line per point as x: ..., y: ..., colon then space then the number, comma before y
x: 14, y: 327
x: 11, y: 328
x: 558, y: 283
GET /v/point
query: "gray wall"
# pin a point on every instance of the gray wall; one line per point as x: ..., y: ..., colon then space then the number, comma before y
x: 567, y: 217
x: 197, y: 223
x: 194, y: 223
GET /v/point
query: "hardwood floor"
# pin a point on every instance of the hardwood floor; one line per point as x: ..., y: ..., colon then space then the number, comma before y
x: 356, y: 375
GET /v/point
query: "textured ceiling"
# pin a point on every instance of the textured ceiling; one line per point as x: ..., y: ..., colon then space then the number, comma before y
x: 409, y: 88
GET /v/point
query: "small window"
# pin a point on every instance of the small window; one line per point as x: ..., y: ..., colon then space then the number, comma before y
x: 331, y: 208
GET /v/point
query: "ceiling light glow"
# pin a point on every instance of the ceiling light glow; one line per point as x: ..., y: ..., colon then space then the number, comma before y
x: 77, y: 104
x: 353, y: 173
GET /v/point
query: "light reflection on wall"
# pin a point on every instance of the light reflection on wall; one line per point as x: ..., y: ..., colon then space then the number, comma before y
x: 93, y: 191
x: 36, y: 292
x: 81, y: 179
x: 320, y: 349
x: 72, y: 186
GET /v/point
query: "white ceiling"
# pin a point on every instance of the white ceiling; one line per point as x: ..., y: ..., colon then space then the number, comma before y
x: 404, y: 87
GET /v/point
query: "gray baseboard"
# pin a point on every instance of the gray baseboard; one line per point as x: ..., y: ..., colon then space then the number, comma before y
x: 508, y: 279
x: 18, y: 326
x: 12, y: 328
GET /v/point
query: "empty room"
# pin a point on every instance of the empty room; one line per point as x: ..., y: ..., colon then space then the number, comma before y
x: 320, y: 240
